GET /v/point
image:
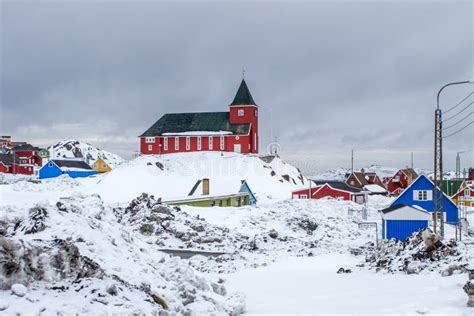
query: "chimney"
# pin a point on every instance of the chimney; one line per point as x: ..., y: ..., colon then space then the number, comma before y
x: 205, y: 186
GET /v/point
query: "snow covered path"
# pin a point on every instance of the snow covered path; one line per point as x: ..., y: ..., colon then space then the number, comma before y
x: 312, y: 286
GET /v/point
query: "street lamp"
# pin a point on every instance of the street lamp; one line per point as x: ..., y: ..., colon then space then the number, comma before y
x: 438, y: 158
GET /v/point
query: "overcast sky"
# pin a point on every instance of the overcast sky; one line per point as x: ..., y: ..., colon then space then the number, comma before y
x: 328, y: 76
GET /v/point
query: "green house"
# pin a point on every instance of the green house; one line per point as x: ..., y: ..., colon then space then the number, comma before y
x: 44, y: 153
x: 451, y: 187
x: 226, y: 193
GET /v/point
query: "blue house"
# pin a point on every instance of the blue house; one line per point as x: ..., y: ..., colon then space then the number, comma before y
x: 244, y: 188
x: 400, y: 221
x: 420, y: 193
x: 73, y: 168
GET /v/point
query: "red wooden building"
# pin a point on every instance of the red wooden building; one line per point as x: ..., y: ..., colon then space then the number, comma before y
x: 234, y: 131
x: 333, y: 189
x: 21, y: 159
x: 401, y: 180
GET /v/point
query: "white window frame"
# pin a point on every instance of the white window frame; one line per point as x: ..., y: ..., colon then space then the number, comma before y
x: 150, y: 147
x: 165, y: 143
x: 255, y: 141
x: 240, y: 112
x: 210, y: 140
x: 199, y: 142
x: 304, y: 196
x: 422, y: 195
x: 188, y: 143
x: 149, y: 140
x: 176, y: 143
x: 222, y: 145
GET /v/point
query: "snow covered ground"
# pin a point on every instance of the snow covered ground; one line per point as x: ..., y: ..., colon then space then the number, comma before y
x: 93, y: 245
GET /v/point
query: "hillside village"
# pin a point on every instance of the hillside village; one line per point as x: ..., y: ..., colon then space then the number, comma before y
x: 183, y: 226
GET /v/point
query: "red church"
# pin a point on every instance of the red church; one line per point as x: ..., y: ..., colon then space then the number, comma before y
x: 232, y: 131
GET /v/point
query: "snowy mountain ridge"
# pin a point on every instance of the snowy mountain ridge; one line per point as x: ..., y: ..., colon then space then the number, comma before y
x: 79, y: 149
x: 381, y: 171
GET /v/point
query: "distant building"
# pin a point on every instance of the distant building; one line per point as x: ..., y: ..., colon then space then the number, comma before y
x: 360, y: 179
x: 465, y: 194
x: 401, y: 220
x: 73, y: 168
x: 420, y: 193
x: 101, y: 166
x: 232, y: 131
x: 401, y: 180
x: 333, y: 189
x: 203, y: 195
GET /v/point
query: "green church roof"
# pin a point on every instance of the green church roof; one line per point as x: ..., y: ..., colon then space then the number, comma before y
x: 243, y: 96
x: 195, y: 122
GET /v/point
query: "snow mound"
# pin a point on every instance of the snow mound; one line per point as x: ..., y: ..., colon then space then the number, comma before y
x: 173, y: 176
x: 422, y: 251
x: 79, y: 256
x: 78, y: 149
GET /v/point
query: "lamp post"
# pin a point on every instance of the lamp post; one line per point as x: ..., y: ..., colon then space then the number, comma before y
x: 438, y: 159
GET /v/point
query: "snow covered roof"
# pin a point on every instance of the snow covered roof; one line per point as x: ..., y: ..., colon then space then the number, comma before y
x: 72, y: 164
x: 374, y: 188
x: 340, y: 185
x: 405, y: 212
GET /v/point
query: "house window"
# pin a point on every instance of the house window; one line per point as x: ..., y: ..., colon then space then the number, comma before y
x: 422, y: 195
x: 199, y: 141
x: 210, y: 143
x: 165, y: 143
x: 240, y: 112
x: 255, y: 141
x: 150, y: 147
x: 104, y: 166
x: 149, y: 140
x: 222, y: 142
x: 303, y: 196
x: 188, y: 142
x: 352, y: 182
x: 256, y: 113
x: 176, y: 143
x: 50, y: 164
x: 466, y: 192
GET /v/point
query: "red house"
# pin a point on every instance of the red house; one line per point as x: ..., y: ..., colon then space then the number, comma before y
x: 401, y: 180
x: 21, y: 159
x: 359, y: 179
x: 233, y: 131
x: 333, y: 189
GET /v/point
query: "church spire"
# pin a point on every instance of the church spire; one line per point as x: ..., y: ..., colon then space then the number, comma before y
x: 243, y: 96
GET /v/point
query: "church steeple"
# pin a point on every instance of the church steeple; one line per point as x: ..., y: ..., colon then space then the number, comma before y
x: 243, y: 96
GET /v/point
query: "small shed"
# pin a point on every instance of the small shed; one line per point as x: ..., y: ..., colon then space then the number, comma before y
x: 401, y: 220
x: 101, y: 166
x: 73, y: 168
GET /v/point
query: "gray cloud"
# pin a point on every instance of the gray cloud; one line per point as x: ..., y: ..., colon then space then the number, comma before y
x: 328, y: 76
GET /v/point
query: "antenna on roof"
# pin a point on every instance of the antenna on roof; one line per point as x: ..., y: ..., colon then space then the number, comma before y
x: 243, y: 73
x: 352, y: 161
x: 412, y: 160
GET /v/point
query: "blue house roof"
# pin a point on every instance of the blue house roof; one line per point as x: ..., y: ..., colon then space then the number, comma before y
x: 422, y: 183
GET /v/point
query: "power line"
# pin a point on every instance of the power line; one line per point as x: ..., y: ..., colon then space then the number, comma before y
x: 451, y: 117
x: 460, y: 130
x: 460, y: 102
x: 452, y: 125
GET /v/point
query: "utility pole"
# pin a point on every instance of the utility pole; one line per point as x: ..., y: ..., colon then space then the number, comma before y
x: 438, y: 160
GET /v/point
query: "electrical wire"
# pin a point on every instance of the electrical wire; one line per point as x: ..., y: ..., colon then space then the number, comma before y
x: 460, y: 130
x: 460, y: 102
x: 453, y: 116
x: 452, y: 125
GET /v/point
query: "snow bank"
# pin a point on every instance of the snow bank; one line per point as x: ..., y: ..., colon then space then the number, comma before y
x: 80, y: 256
x: 174, y: 175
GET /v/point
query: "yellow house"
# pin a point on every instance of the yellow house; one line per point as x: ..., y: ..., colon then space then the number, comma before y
x: 101, y: 166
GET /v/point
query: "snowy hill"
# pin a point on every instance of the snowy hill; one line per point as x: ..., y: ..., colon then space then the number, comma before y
x: 173, y: 176
x: 339, y: 174
x: 78, y: 149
